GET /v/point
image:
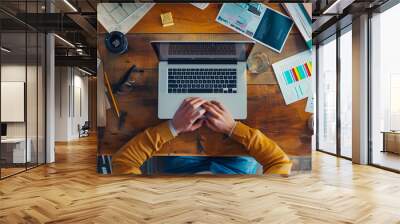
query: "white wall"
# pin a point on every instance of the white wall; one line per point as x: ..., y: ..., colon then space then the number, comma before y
x: 61, y: 103
x: 71, y: 94
x: 80, y: 110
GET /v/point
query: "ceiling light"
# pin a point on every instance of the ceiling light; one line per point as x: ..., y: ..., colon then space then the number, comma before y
x: 70, y: 5
x: 5, y: 50
x: 84, y: 71
x: 65, y: 41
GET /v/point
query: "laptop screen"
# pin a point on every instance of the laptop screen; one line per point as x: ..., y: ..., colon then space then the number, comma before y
x: 238, y: 51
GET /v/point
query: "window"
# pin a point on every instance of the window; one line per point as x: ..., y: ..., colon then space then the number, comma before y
x: 327, y: 97
x: 385, y: 89
x: 394, y: 101
x: 346, y: 93
x: 334, y: 106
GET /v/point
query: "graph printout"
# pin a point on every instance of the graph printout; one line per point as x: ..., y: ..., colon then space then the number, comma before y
x: 294, y: 76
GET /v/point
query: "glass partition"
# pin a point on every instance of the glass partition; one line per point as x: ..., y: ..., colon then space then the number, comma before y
x: 22, y: 88
x: 14, y: 153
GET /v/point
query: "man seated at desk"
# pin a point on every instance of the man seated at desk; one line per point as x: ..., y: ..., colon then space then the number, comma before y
x: 191, y: 115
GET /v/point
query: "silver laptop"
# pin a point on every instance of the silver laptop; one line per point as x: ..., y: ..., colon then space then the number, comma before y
x: 210, y: 70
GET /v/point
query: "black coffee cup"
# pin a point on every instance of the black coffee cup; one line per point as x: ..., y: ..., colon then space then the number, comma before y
x: 116, y: 42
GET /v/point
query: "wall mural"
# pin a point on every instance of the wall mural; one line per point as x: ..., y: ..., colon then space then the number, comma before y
x: 204, y: 88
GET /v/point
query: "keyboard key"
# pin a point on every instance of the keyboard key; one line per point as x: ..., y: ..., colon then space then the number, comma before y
x: 200, y: 91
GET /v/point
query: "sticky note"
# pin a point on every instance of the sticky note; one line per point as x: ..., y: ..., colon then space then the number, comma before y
x: 166, y: 19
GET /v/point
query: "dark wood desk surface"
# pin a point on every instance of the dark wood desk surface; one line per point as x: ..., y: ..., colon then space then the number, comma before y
x: 267, y: 111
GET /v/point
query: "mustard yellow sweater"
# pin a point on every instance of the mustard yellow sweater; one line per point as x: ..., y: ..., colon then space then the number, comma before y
x: 133, y: 154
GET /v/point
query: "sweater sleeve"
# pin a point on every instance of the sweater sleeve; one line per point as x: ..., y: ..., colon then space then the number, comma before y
x: 134, y: 153
x: 264, y: 150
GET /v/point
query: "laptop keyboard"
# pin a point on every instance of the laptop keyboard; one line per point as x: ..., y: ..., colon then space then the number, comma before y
x: 202, y: 49
x: 202, y: 80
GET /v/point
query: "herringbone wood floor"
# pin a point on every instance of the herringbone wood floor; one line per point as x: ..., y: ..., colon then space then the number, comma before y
x: 70, y: 191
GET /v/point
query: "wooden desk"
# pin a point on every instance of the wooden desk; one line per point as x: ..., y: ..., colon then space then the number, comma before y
x: 286, y: 124
x: 13, y: 151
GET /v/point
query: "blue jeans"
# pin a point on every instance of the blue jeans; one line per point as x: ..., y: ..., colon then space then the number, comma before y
x: 195, y: 164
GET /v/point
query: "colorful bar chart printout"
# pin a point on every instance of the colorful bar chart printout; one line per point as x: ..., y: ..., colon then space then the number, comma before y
x: 294, y: 76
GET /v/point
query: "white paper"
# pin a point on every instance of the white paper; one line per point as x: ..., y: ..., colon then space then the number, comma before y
x: 121, y: 16
x: 296, y: 90
x: 201, y: 6
x: 310, y: 105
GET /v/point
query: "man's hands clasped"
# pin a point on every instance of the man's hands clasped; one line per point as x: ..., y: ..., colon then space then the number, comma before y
x: 194, y: 112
